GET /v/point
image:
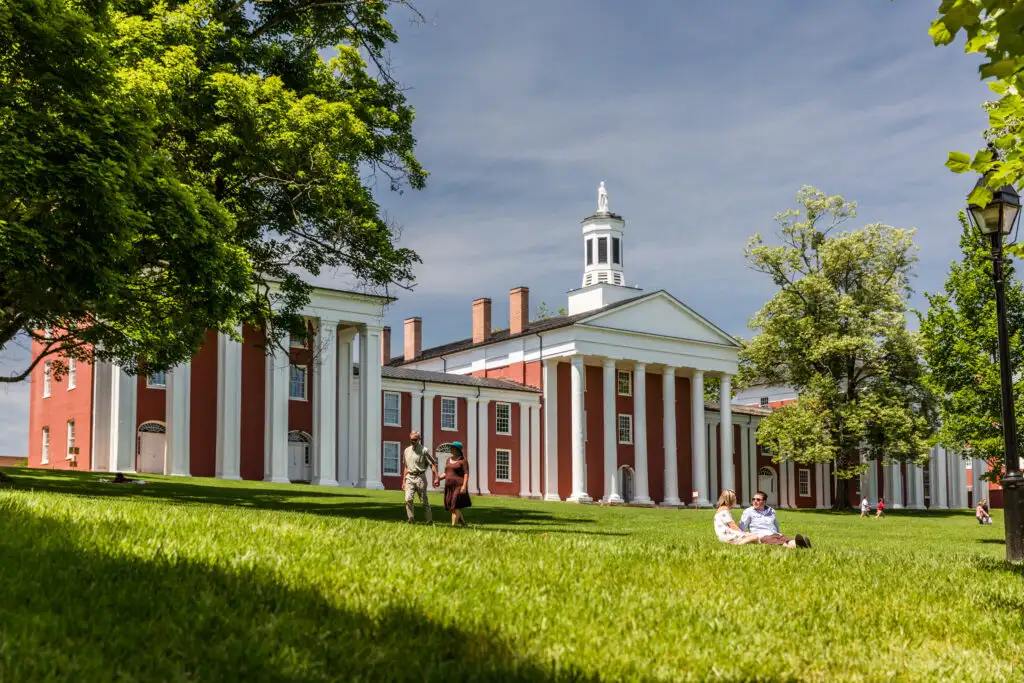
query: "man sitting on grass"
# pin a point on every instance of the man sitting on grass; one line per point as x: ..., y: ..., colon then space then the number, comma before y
x: 760, y: 520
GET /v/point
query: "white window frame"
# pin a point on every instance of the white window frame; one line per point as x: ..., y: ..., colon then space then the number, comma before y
x: 454, y: 413
x: 72, y: 373
x: 305, y: 382
x: 384, y: 459
x: 47, y: 379
x: 44, y: 456
x: 763, y: 402
x: 157, y: 380
x: 626, y: 420
x: 497, y: 421
x: 507, y: 453
x: 803, y: 482
x: 69, y: 454
x: 398, y: 410
x: 619, y: 374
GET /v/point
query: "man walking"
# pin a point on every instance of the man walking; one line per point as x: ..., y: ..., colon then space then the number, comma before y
x: 415, y: 461
x: 759, y: 519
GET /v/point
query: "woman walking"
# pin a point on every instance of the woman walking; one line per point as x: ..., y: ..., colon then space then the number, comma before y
x: 456, y: 484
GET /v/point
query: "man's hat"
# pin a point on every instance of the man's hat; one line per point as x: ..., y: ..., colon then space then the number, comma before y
x: 456, y: 444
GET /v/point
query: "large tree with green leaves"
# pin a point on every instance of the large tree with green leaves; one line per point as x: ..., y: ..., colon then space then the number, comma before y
x: 173, y: 166
x: 959, y: 337
x: 836, y: 332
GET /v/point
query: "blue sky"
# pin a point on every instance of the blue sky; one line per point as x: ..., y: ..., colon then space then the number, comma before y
x: 703, y: 120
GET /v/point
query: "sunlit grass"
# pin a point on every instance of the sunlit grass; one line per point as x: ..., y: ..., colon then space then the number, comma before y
x: 203, y: 580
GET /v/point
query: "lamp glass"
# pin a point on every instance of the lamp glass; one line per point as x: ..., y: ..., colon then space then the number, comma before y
x: 1009, y: 217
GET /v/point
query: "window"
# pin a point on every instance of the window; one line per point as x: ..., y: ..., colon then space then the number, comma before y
x: 392, y: 459
x: 590, y: 252
x: 503, y: 418
x: 72, y: 373
x: 616, y: 251
x: 625, y: 381
x: 157, y: 380
x: 625, y: 429
x: 449, y: 421
x: 71, y: 440
x: 296, y: 342
x: 45, y: 454
x: 392, y: 409
x: 297, y: 383
x: 764, y: 401
x: 503, y: 465
x: 803, y: 485
x: 602, y: 250
x: 47, y: 378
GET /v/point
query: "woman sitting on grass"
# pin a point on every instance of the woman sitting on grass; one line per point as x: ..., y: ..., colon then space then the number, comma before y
x: 981, y: 512
x: 725, y: 528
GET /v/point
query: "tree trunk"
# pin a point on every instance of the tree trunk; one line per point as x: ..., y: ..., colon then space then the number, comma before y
x: 841, y: 501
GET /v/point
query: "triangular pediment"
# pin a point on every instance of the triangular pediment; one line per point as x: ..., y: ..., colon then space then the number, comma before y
x: 661, y: 314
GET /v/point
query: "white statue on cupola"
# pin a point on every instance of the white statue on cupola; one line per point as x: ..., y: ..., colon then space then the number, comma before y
x: 602, y: 199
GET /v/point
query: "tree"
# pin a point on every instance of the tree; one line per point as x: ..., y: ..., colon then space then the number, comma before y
x: 235, y: 156
x: 836, y: 332
x: 992, y: 28
x: 713, y: 389
x: 959, y: 333
x: 543, y: 312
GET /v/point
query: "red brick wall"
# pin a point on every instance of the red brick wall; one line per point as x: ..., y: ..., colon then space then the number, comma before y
x: 510, y: 442
x: 624, y: 405
x: 203, y: 417
x: 593, y: 404
x: 254, y: 376
x: 399, y: 434
x: 55, y: 411
x: 684, y: 439
x: 656, y: 436
x: 300, y: 413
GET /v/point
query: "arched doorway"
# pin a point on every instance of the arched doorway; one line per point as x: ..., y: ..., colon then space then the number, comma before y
x: 626, y: 483
x: 766, y: 483
x: 300, y: 465
x: 151, y: 448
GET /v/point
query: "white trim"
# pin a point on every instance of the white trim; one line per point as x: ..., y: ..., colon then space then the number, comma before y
x: 47, y: 379
x: 44, y: 447
x: 72, y: 373
x: 71, y: 436
x: 800, y: 483
x: 727, y: 339
x: 384, y: 416
x: 508, y: 452
x: 415, y: 388
x: 455, y: 414
x: 305, y: 382
x: 383, y: 462
x: 497, y: 430
x: 619, y: 374
x: 618, y: 428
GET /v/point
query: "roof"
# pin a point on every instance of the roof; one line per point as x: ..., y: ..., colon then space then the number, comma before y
x: 535, y: 326
x: 742, y: 410
x: 414, y: 375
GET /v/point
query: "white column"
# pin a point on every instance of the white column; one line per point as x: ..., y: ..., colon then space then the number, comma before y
x: 916, y: 484
x: 535, y: 450
x: 229, y: 407
x: 416, y: 423
x: 348, y: 462
x: 938, y: 478
x: 275, y: 435
x: 642, y: 492
x: 524, y: 450
x: 550, y: 379
x: 179, y: 414
x: 725, y: 413
x: 750, y: 439
x: 124, y: 426
x: 747, y: 492
x: 668, y: 395
x: 897, y: 487
x: 873, y: 481
x: 611, y: 436
x: 472, y: 440
x: 483, y: 456
x: 958, y: 481
x: 819, y: 473
x: 579, y: 485
x: 325, y: 399
x: 102, y: 405
x: 369, y: 399
x: 783, y: 485
x: 427, y: 428
x: 980, y: 486
x: 711, y: 427
x: 700, y: 454
x: 827, y: 482
x: 886, y: 483
x: 791, y: 484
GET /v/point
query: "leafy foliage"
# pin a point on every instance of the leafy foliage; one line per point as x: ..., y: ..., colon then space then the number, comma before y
x: 173, y: 166
x: 836, y: 332
x: 543, y: 312
x: 959, y: 338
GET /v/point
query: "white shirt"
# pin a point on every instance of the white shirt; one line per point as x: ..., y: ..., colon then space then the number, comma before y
x: 865, y: 505
x: 725, y: 532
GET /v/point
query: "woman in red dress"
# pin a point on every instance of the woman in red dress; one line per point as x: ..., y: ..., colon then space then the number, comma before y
x: 456, y: 484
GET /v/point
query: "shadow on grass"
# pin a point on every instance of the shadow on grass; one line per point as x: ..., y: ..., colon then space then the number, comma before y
x: 349, y: 503
x: 72, y: 612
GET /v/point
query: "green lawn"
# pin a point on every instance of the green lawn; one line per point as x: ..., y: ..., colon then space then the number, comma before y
x: 203, y: 580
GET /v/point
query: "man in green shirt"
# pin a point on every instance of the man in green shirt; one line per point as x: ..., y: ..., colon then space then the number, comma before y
x: 415, y: 461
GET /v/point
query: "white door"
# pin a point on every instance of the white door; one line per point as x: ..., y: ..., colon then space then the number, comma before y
x: 766, y: 482
x: 152, y: 448
x: 299, y: 466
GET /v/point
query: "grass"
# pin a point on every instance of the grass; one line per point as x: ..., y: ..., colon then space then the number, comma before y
x: 204, y: 580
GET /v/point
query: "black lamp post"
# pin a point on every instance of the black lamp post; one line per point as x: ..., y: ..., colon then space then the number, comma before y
x: 996, y: 220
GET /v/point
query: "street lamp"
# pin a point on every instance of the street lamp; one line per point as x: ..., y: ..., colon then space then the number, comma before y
x: 996, y: 220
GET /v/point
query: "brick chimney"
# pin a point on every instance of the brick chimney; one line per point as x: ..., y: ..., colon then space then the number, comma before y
x: 413, y: 338
x: 481, y: 320
x: 519, y: 310
x: 385, y: 346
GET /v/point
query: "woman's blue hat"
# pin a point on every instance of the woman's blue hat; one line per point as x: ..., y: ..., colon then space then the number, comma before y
x: 456, y: 444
